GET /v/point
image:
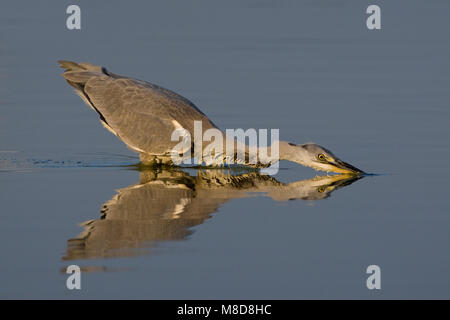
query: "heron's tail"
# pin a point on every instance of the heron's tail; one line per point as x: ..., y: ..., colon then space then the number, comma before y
x: 71, y: 66
x: 78, y: 74
x: 81, y: 66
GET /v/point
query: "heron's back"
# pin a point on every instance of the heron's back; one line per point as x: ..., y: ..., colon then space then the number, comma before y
x: 141, y: 114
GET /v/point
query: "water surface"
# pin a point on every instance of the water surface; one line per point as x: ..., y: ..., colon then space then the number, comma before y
x: 378, y: 99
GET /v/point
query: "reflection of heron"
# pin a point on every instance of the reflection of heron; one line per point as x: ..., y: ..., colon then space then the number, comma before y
x: 144, y: 116
x: 166, y: 204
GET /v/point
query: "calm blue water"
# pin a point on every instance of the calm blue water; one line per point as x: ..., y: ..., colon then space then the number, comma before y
x: 378, y: 99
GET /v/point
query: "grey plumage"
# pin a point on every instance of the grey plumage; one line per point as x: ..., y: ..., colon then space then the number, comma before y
x: 144, y: 116
x: 140, y: 113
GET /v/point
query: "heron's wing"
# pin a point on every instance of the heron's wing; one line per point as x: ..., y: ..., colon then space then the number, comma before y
x: 142, y: 114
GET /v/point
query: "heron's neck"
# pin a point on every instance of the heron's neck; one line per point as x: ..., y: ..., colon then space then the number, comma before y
x: 286, y: 151
x: 292, y: 152
x: 267, y: 155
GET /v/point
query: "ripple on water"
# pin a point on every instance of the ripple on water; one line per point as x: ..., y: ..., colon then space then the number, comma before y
x: 12, y: 161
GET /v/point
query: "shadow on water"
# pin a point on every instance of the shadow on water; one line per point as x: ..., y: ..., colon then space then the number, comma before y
x: 166, y: 204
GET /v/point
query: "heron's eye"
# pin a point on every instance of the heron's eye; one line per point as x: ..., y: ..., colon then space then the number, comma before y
x: 321, y: 157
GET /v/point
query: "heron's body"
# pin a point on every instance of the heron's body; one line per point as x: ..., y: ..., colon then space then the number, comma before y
x: 141, y: 114
x: 144, y: 116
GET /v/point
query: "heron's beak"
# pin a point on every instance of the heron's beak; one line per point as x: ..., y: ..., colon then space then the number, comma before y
x: 344, y: 167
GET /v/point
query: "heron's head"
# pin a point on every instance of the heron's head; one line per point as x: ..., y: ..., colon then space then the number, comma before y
x: 317, y: 157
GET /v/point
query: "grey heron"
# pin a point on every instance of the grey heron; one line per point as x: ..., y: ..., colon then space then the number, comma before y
x: 144, y: 115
